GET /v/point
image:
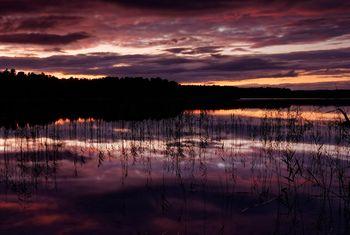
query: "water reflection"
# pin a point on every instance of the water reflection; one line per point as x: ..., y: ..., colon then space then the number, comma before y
x: 223, y: 172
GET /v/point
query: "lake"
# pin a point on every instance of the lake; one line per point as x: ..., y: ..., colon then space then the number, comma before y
x: 234, y: 171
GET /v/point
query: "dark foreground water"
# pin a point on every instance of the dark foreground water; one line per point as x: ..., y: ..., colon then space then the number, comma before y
x: 242, y: 171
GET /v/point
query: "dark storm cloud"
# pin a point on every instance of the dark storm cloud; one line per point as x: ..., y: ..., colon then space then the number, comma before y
x: 172, y: 61
x: 332, y: 56
x: 177, y: 50
x: 263, y: 6
x: 194, y: 51
x: 42, y: 39
x: 34, y: 23
x: 239, y: 7
x: 291, y: 73
x: 46, y: 22
x: 173, y: 5
x: 184, y: 69
x: 307, y: 31
x: 259, y: 23
x: 8, y: 7
x: 194, y: 36
x: 245, y: 64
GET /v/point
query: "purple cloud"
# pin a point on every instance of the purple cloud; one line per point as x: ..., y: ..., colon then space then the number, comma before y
x: 184, y: 40
x: 42, y: 39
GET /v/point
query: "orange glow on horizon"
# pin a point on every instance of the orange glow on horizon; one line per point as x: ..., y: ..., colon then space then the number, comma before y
x: 307, y: 115
x: 285, y: 81
x: 64, y: 121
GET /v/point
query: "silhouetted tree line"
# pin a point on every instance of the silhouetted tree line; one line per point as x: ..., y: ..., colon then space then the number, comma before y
x: 41, y: 86
x: 30, y: 95
x: 33, y: 86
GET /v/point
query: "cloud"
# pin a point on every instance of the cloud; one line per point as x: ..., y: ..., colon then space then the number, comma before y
x: 184, y: 23
x: 37, y: 23
x: 42, y: 39
x: 184, y: 40
x: 45, y: 22
x: 307, y: 31
x: 291, y: 73
x: 37, y: 7
x: 254, y: 6
x: 190, y: 69
x: 169, y: 5
x: 245, y: 64
x: 194, y: 51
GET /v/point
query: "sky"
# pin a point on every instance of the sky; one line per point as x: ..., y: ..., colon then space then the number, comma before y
x: 299, y: 44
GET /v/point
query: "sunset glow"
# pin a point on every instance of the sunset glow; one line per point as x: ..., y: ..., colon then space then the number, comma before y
x: 296, y: 44
x: 317, y: 82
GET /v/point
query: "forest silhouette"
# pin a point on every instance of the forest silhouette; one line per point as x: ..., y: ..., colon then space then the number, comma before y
x: 28, y: 97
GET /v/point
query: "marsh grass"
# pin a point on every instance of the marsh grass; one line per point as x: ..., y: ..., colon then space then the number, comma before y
x: 279, y: 163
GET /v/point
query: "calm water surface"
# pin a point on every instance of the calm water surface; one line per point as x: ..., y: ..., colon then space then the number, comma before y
x: 241, y: 171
